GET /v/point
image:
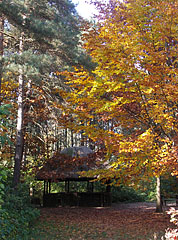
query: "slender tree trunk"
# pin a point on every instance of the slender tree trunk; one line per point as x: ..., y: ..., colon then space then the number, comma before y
x: 66, y: 137
x: 1, y: 35
x: 72, y: 138
x: 1, y: 49
x: 159, y: 207
x: 25, y: 113
x: 20, y: 117
x: 47, y: 140
x: 82, y: 140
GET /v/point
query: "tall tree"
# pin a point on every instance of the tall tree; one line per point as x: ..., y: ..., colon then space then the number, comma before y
x: 135, y: 86
x: 41, y: 38
x: 1, y: 48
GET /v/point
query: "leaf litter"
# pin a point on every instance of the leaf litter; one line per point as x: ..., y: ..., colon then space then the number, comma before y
x: 121, y: 221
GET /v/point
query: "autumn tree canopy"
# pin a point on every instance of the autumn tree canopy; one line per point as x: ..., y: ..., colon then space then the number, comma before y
x: 133, y: 91
x: 37, y: 39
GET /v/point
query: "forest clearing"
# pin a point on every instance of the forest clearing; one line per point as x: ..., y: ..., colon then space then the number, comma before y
x: 131, y: 221
x: 88, y: 119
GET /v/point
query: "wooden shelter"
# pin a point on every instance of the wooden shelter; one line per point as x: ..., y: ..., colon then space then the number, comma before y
x: 66, y: 167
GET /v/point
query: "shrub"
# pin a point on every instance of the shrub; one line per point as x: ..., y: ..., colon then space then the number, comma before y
x: 126, y: 194
x: 3, y: 178
x: 16, y: 214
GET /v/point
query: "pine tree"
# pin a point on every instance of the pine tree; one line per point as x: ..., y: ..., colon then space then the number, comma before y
x: 41, y: 38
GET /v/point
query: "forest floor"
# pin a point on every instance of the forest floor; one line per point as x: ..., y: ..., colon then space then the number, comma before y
x: 124, y: 221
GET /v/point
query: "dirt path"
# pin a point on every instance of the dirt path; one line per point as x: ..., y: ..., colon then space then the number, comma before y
x: 138, y: 205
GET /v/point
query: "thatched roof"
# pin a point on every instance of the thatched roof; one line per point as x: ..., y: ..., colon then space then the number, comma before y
x: 67, y: 164
x: 82, y: 151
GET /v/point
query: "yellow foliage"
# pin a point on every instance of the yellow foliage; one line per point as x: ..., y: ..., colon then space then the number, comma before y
x: 134, y: 85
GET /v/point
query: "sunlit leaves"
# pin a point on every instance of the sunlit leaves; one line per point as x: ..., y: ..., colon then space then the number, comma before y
x: 134, y: 86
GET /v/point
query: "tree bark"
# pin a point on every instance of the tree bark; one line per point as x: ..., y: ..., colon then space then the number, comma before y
x: 20, y: 117
x: 1, y: 49
x: 1, y: 35
x: 159, y: 207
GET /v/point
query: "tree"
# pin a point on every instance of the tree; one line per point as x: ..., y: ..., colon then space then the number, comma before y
x: 135, y: 86
x: 41, y: 37
x: 1, y: 48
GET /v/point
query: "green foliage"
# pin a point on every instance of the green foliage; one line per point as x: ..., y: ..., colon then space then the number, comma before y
x: 16, y: 214
x: 119, y: 194
x: 4, y: 124
x: 126, y: 194
x: 74, y: 187
x: 169, y: 186
x: 50, y: 44
x: 3, y: 177
x: 148, y: 188
x: 4, y: 110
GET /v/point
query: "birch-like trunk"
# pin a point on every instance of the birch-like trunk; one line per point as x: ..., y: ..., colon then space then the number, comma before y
x: 159, y: 207
x: 20, y: 116
x: 1, y: 49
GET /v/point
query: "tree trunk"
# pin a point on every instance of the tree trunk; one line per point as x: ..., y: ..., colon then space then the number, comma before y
x: 72, y: 138
x: 47, y: 142
x: 20, y: 116
x: 1, y: 35
x: 1, y: 49
x: 159, y: 207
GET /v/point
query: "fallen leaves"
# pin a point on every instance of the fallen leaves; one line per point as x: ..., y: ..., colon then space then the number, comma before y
x: 122, y: 221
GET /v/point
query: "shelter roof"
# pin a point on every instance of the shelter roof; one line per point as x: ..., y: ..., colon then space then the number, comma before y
x: 67, y: 164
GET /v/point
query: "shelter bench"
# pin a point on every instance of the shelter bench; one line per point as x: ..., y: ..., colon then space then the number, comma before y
x: 171, y: 200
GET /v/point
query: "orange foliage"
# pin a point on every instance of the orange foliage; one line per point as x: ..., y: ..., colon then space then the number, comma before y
x: 133, y: 89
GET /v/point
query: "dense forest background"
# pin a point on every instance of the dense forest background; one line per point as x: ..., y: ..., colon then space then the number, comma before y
x: 39, y: 39
x: 109, y: 84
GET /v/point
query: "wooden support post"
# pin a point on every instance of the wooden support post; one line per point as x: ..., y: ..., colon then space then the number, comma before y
x: 44, y: 191
x: 92, y: 186
x: 108, y: 186
x: 67, y: 187
x: 49, y: 186
x: 88, y: 186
